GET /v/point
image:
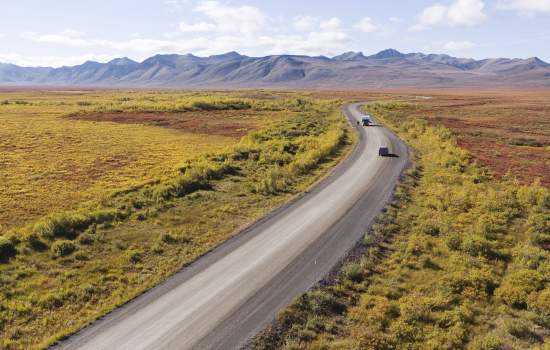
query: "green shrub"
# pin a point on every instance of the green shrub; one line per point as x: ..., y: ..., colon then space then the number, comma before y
x: 169, y: 238
x: 353, y: 272
x: 7, y: 249
x: 86, y: 239
x: 416, y: 308
x: 61, y: 225
x: 520, y: 329
x: 220, y: 105
x: 34, y: 242
x: 180, y: 187
x: 158, y: 248
x: 477, y: 246
x: 489, y: 342
x: 530, y: 257
x: 454, y: 242
x: 480, y: 281
x: 430, y: 228
x: 306, y: 334
x: 63, y: 248
x: 526, y: 142
x: 134, y: 256
x: 81, y: 256
x: 323, y: 302
x: 539, y: 303
x: 518, y: 285
x: 56, y: 300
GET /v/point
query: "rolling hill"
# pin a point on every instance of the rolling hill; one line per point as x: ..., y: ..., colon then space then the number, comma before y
x: 388, y: 68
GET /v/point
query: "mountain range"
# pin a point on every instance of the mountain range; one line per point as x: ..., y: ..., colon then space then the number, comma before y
x: 386, y: 69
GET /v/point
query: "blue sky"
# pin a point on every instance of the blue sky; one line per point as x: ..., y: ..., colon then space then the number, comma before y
x: 67, y: 32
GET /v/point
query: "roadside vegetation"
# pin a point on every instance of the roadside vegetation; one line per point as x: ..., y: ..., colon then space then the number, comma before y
x: 459, y: 260
x: 504, y: 130
x: 72, y: 265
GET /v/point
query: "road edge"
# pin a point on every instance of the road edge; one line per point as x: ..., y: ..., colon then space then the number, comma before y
x: 352, y: 255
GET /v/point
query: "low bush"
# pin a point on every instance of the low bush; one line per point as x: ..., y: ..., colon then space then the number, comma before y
x: 323, y: 302
x: 61, y: 225
x: 169, y: 238
x: 134, y: 256
x: 63, y: 248
x: 35, y: 242
x: 526, y: 142
x: 520, y: 329
x: 353, y: 272
x: 7, y: 249
x: 86, y: 239
x: 489, y: 342
x: 477, y: 246
x: 518, y: 285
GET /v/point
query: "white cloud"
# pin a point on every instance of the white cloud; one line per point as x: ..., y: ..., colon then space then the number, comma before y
x: 467, y: 12
x: 366, y: 25
x: 313, y: 43
x: 395, y: 20
x: 63, y: 38
x: 246, y: 20
x: 330, y: 24
x: 200, y: 27
x: 217, y: 28
x: 458, y: 13
x: 529, y: 7
x: 175, y: 5
x: 305, y: 23
x: 459, y: 45
x: 71, y: 33
x: 432, y: 15
x: 317, y: 42
x: 52, y: 61
x: 134, y: 44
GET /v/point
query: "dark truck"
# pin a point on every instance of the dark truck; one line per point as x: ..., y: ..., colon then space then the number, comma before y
x: 365, y: 121
x: 383, y: 151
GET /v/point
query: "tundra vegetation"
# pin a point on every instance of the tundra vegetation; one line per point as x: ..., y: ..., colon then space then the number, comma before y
x: 101, y: 200
x: 459, y: 260
x: 507, y: 130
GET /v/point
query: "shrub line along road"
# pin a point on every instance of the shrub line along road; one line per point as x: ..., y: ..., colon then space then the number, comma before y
x: 230, y: 294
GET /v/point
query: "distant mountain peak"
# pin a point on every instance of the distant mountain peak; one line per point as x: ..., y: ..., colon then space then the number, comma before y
x: 227, y: 55
x: 350, y: 69
x: 124, y: 61
x: 91, y: 63
x: 538, y: 61
x: 389, y: 53
x: 350, y: 56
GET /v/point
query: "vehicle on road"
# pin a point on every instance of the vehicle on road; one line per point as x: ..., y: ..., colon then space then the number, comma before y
x: 383, y: 151
x: 366, y: 121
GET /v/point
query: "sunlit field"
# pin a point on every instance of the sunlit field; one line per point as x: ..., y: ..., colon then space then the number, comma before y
x: 460, y: 258
x: 109, y: 193
x: 50, y: 161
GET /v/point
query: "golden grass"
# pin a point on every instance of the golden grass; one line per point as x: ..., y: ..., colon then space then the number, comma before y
x: 69, y: 268
x: 50, y: 163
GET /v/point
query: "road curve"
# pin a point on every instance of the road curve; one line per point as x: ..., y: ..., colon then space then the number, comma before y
x: 230, y: 294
